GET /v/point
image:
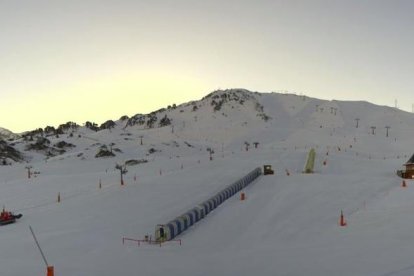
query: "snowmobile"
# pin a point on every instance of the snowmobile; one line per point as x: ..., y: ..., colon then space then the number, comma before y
x: 7, y: 217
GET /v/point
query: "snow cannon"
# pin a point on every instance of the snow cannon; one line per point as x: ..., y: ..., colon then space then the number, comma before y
x: 7, y: 217
x: 267, y: 169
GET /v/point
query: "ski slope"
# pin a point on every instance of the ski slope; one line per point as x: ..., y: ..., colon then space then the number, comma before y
x: 288, y: 224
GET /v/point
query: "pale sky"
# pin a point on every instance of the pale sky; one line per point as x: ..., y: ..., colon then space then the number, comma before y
x: 79, y: 60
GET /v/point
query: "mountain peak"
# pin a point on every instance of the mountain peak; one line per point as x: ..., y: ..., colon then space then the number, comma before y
x: 232, y: 92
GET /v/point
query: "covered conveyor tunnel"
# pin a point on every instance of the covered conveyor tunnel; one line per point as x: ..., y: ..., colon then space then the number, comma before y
x: 173, y: 228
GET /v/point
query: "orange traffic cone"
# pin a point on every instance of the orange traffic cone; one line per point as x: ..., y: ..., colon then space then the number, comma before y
x: 342, y: 221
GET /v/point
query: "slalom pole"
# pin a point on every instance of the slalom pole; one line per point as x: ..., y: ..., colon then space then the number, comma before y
x: 50, y: 269
x: 342, y: 220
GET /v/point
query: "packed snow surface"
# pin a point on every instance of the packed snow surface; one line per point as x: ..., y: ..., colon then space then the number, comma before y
x: 288, y: 224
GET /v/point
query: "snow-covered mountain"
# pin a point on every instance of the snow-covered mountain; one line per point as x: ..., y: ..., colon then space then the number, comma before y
x: 225, y: 119
x: 288, y: 224
x: 6, y: 134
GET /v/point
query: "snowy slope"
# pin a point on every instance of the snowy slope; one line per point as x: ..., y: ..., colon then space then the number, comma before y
x: 7, y: 134
x: 288, y: 225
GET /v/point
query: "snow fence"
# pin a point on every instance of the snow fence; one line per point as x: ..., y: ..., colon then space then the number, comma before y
x: 168, y: 231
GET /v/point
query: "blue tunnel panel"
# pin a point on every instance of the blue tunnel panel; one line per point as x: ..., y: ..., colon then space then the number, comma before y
x: 193, y: 216
x: 201, y: 212
x: 175, y: 227
x: 206, y: 207
x: 218, y: 200
x: 170, y: 231
x: 179, y: 226
x: 190, y: 218
x: 226, y: 194
x: 183, y: 221
x: 212, y: 204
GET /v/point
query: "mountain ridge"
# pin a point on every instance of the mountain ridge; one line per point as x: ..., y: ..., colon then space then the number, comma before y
x: 231, y: 118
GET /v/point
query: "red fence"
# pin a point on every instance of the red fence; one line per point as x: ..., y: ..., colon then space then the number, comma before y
x: 149, y: 241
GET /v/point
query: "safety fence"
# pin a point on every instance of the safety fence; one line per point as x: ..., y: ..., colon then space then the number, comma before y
x: 148, y: 241
x: 168, y: 231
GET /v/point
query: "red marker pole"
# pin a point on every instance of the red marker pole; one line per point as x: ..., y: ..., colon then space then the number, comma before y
x: 50, y: 269
x: 342, y: 222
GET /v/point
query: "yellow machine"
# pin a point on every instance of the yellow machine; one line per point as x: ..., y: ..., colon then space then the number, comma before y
x: 267, y: 169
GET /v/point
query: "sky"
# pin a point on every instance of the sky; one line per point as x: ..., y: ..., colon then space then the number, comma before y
x: 95, y: 60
